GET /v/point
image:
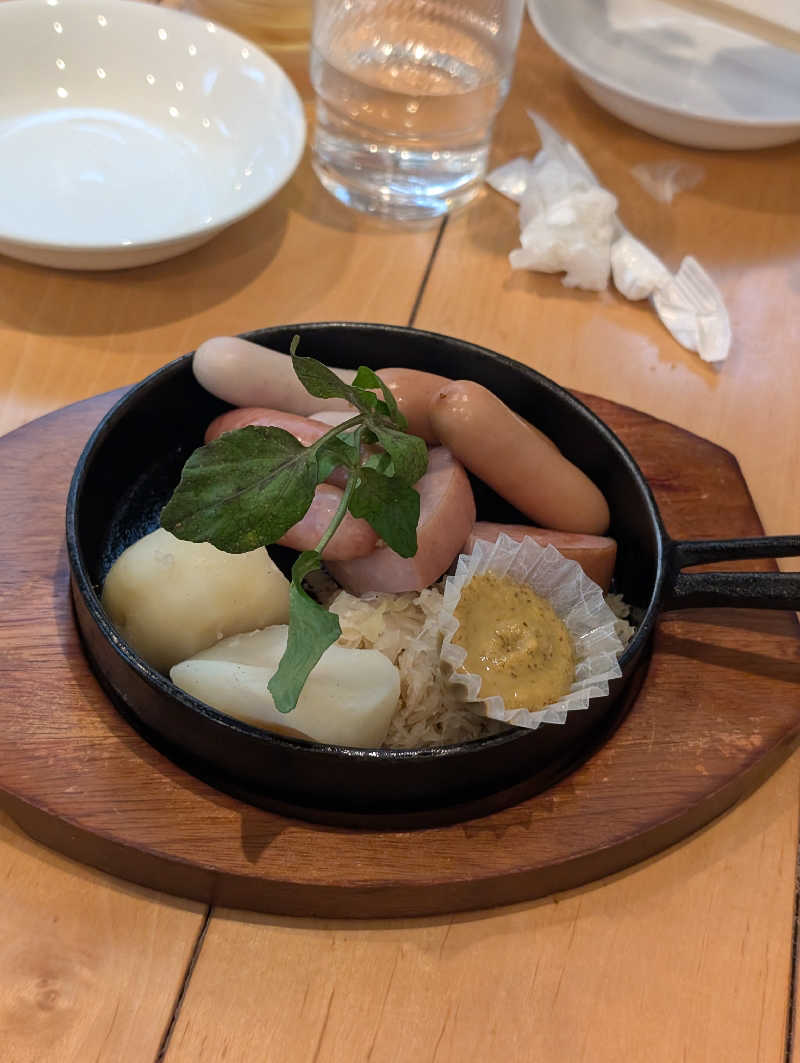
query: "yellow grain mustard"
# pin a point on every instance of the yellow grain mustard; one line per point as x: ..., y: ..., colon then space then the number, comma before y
x: 514, y: 641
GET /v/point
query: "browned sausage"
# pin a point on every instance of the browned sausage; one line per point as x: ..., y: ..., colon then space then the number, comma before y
x: 596, y: 554
x: 413, y: 389
x: 512, y: 457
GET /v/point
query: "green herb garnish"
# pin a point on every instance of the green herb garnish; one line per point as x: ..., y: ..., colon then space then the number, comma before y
x: 248, y: 487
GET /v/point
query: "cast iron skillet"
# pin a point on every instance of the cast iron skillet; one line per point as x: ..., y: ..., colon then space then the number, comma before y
x: 129, y: 468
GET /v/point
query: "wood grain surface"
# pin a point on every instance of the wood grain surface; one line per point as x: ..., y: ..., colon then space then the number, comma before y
x: 687, y: 958
x: 90, y: 967
x: 637, y: 969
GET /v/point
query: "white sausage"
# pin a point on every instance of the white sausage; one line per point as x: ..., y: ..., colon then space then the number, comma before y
x: 246, y: 374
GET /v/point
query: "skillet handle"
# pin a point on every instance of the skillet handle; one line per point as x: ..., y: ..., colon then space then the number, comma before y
x: 746, y: 590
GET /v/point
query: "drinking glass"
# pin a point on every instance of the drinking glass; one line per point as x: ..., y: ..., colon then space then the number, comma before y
x: 407, y: 92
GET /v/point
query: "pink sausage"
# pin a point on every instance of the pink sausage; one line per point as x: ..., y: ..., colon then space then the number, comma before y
x: 447, y: 514
x: 304, y: 429
x: 352, y: 539
x: 332, y: 417
x: 596, y: 554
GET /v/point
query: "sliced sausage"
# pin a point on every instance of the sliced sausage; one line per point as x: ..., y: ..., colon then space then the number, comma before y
x: 247, y: 374
x: 305, y: 429
x: 331, y: 417
x: 515, y: 460
x: 447, y: 514
x: 596, y: 554
x: 352, y: 539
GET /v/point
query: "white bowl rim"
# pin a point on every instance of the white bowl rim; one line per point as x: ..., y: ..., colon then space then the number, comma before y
x: 581, y: 67
x: 176, y: 236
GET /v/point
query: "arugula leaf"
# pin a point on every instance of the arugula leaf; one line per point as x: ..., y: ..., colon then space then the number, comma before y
x: 243, y: 490
x: 319, y: 380
x: 367, y: 378
x: 390, y: 506
x: 335, y: 452
x: 368, y: 402
x: 322, y: 382
x: 381, y: 462
x: 408, y: 453
x: 312, y: 629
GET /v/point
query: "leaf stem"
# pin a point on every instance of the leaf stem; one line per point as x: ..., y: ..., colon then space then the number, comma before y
x: 341, y: 509
x: 353, y: 422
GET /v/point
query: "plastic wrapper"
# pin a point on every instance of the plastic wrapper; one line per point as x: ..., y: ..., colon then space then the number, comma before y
x: 569, y: 224
x: 576, y: 600
x: 691, y: 306
x: 664, y: 180
x: 637, y: 272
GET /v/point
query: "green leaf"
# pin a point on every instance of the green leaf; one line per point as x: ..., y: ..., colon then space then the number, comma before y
x: 243, y: 490
x: 336, y: 451
x: 390, y: 506
x: 368, y: 402
x: 321, y: 381
x: 408, y: 453
x: 381, y: 462
x: 312, y: 629
x: 367, y: 378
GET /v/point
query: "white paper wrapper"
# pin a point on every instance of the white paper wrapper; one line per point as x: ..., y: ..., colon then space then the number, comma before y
x: 576, y: 600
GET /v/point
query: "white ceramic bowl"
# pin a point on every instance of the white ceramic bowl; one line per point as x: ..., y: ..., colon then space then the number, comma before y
x: 676, y: 75
x: 130, y: 132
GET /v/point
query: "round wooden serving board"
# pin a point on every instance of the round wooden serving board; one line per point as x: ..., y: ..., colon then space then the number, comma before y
x: 719, y: 710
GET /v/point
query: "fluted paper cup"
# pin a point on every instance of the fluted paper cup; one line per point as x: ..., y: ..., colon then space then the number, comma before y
x: 576, y: 600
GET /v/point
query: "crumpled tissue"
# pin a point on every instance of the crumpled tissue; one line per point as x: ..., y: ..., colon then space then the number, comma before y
x: 569, y: 224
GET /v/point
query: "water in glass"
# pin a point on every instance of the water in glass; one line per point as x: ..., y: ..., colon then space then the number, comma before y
x: 407, y: 91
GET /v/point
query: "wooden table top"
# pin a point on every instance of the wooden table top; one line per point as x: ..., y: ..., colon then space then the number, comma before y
x: 688, y: 957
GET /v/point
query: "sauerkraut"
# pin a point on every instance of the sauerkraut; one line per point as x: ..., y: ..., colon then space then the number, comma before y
x: 431, y: 712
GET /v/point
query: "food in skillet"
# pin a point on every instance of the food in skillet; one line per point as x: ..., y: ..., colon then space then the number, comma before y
x: 335, y: 475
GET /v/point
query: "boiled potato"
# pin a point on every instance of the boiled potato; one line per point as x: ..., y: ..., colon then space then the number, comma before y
x: 169, y: 598
x: 349, y: 697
